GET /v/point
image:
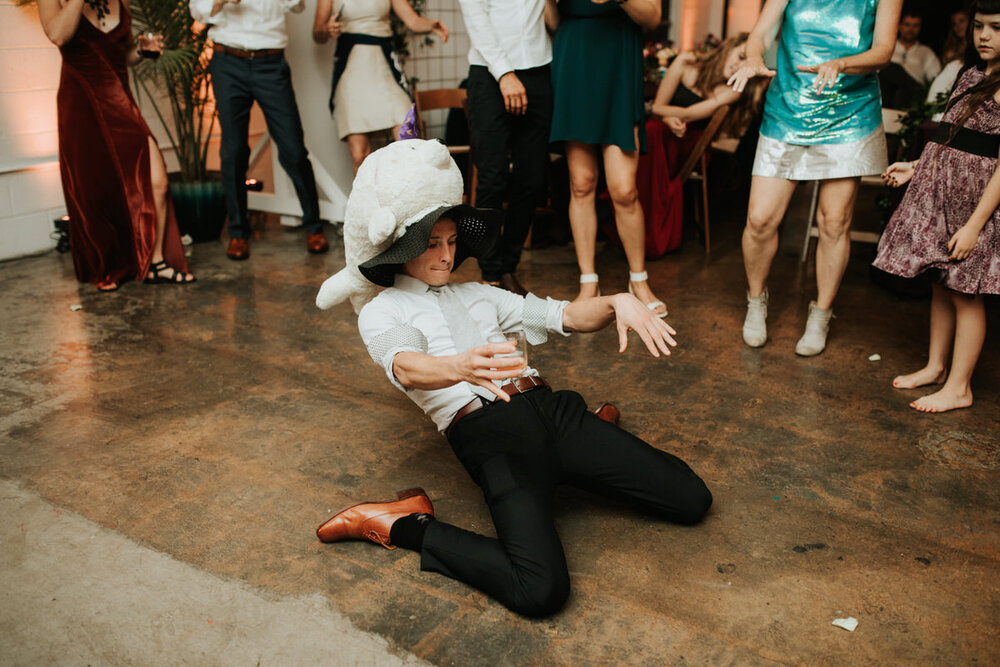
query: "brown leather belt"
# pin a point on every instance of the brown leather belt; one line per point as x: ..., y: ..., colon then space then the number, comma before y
x: 245, y: 54
x: 520, y: 385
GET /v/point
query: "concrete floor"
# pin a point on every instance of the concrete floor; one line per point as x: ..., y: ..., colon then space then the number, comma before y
x: 175, y: 448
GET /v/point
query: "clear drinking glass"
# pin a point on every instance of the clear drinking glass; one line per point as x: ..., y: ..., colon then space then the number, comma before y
x: 516, y: 337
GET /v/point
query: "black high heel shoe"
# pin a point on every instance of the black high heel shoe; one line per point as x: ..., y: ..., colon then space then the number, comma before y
x: 162, y: 273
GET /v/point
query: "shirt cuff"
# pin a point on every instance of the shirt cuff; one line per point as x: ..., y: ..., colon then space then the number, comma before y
x: 384, y: 347
x: 501, y: 67
x: 541, y: 316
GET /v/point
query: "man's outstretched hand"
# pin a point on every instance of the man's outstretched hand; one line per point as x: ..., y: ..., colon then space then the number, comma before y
x: 630, y: 313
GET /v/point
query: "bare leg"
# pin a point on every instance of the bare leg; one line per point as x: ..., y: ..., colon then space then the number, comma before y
x: 620, y: 169
x: 833, y: 217
x: 942, y: 335
x: 769, y: 199
x: 582, y: 161
x: 970, y: 332
x: 360, y: 147
x: 161, y: 188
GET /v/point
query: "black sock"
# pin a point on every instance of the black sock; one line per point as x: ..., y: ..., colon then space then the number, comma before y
x: 408, y: 532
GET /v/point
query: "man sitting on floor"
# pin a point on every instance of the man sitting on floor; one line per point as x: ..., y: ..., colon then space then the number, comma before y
x: 517, y: 438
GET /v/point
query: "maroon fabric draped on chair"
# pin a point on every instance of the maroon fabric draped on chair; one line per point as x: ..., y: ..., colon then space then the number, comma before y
x: 104, y: 161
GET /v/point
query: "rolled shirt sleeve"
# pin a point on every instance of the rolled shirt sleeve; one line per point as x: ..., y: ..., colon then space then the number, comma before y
x: 385, y: 336
x: 201, y: 10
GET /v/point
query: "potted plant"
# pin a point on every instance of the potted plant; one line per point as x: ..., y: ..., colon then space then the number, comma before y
x: 178, y: 88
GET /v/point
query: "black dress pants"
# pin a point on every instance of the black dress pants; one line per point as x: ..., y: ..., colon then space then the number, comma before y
x: 517, y: 453
x: 237, y: 84
x: 500, y: 139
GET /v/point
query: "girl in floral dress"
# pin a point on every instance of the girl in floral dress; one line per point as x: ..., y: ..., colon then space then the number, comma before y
x: 949, y: 222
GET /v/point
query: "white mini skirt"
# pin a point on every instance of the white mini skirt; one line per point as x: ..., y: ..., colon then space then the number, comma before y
x: 818, y: 162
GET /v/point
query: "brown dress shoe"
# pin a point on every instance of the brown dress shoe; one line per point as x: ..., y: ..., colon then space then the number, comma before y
x: 608, y: 413
x: 508, y: 281
x: 317, y: 243
x: 238, y: 249
x: 372, y: 521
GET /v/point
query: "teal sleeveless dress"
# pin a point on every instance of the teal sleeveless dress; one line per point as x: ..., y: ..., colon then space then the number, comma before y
x: 597, y: 76
x: 838, y: 133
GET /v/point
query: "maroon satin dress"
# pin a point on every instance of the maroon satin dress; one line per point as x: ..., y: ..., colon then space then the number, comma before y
x: 104, y: 161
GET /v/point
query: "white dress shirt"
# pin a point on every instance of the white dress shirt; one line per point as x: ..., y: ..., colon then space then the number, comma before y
x: 919, y: 62
x: 407, y: 318
x: 507, y: 35
x: 250, y: 25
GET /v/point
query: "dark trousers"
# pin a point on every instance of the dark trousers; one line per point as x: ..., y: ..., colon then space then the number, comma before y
x: 237, y: 84
x: 500, y: 139
x: 517, y: 453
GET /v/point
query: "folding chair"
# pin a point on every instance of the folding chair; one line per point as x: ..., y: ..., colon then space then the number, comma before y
x: 447, y: 98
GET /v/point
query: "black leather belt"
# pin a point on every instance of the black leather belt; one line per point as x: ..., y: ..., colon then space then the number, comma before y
x: 247, y: 54
x: 520, y: 385
x: 969, y: 141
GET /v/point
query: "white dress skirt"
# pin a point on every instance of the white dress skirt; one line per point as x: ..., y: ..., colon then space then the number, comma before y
x: 819, y: 162
x: 367, y: 98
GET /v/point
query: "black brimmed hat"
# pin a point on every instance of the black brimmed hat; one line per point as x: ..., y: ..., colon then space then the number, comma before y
x: 478, y: 231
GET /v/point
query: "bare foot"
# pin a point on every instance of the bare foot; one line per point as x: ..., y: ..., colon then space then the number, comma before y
x: 942, y: 401
x: 923, y: 377
x: 588, y: 290
x: 642, y: 292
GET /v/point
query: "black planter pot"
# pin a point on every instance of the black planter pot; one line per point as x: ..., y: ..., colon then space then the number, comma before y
x: 200, y: 209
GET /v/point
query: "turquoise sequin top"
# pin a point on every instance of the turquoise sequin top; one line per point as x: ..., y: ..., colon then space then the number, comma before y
x: 813, y: 32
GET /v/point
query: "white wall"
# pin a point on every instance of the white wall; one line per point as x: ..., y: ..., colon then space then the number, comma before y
x: 30, y: 190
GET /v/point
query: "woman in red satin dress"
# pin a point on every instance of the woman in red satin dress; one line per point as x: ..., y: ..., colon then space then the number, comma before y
x: 114, y: 179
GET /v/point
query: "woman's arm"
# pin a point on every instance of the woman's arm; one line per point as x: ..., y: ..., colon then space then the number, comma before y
x: 321, y: 21
x: 551, y: 15
x: 60, y: 21
x: 767, y: 24
x: 669, y: 83
x: 477, y: 366
x: 872, y: 60
x: 417, y: 23
x: 646, y: 13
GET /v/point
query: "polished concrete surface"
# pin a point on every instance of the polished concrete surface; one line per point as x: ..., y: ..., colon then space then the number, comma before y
x: 215, y: 426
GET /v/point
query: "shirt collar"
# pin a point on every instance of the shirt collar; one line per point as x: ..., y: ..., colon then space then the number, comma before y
x: 411, y: 284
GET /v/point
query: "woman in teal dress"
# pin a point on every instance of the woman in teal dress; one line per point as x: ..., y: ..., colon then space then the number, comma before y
x: 598, y: 111
x: 822, y: 122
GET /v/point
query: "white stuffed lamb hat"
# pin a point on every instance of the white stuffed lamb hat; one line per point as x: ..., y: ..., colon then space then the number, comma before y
x: 400, y: 191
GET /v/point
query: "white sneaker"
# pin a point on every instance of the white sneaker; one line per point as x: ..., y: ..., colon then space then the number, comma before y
x: 755, y: 324
x: 813, y: 341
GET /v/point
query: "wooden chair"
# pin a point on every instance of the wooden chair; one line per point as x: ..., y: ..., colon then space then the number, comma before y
x: 447, y: 98
x: 699, y: 158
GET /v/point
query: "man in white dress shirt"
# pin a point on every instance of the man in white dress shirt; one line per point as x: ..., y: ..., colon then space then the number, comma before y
x: 510, y: 111
x: 249, y: 65
x: 516, y: 437
x: 919, y: 60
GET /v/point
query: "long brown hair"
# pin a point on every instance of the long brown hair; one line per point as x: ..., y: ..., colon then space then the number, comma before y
x: 710, y: 75
x: 987, y: 88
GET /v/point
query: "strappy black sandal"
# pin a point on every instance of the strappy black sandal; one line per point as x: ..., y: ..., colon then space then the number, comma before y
x: 162, y: 273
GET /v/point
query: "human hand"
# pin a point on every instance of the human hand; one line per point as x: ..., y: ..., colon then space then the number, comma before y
x: 963, y: 242
x: 480, y: 367
x: 675, y: 125
x: 150, y: 45
x: 334, y: 27
x: 750, y: 68
x: 515, y: 97
x: 630, y: 313
x: 826, y: 73
x: 898, y: 173
x: 441, y: 30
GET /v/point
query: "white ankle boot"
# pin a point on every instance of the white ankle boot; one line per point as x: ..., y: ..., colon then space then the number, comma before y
x: 755, y: 324
x: 813, y: 341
